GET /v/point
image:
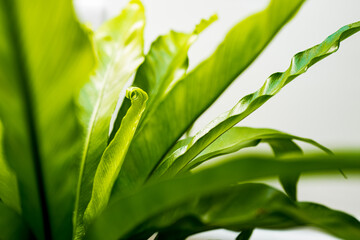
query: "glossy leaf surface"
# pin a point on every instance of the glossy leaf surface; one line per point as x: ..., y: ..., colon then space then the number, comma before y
x: 201, y: 87
x: 231, y: 141
x: 128, y: 212
x: 118, y: 45
x: 299, y: 64
x: 44, y: 62
x: 114, y: 155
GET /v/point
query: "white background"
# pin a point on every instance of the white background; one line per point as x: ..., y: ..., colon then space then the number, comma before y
x: 323, y: 104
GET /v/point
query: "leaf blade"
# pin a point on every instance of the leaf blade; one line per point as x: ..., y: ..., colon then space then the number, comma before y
x: 172, y: 117
x: 9, y: 192
x: 39, y: 76
x: 299, y: 64
x: 12, y: 226
x: 114, y: 155
x: 284, y: 148
x: 156, y: 198
x: 248, y: 206
x: 164, y: 65
x: 119, y: 46
x: 235, y: 139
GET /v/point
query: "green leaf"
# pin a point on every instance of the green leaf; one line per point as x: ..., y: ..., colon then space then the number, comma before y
x: 12, y: 226
x: 237, y: 208
x: 119, y: 47
x: 334, y: 222
x: 9, y: 192
x: 231, y: 141
x: 201, y: 87
x: 245, y: 235
x: 248, y: 206
x: 151, y: 200
x: 114, y: 155
x: 284, y: 148
x: 164, y: 65
x: 44, y: 62
x: 299, y: 64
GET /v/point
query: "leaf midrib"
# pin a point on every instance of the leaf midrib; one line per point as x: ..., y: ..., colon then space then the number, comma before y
x: 25, y: 89
x: 159, y: 95
x: 92, y: 125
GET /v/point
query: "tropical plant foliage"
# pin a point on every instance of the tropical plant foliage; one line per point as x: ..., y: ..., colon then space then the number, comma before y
x: 66, y: 173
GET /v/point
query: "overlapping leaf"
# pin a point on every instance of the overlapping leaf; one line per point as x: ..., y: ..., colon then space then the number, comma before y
x: 44, y: 62
x: 164, y: 65
x: 114, y: 155
x: 9, y: 192
x: 12, y: 226
x: 237, y: 208
x: 299, y: 64
x: 129, y: 212
x: 231, y: 141
x: 249, y: 206
x: 285, y: 148
x: 119, y: 47
x: 193, y: 94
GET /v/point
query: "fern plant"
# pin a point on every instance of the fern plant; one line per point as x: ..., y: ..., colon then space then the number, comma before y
x: 67, y: 173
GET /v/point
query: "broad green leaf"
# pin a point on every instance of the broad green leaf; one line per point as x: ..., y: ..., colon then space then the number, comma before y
x: 114, y: 155
x: 153, y: 199
x: 231, y: 141
x: 299, y: 64
x: 119, y: 47
x: 193, y: 94
x: 12, y: 226
x: 164, y: 65
x: 9, y: 192
x: 248, y: 206
x: 334, y: 222
x: 237, y: 208
x: 44, y: 62
x: 284, y: 148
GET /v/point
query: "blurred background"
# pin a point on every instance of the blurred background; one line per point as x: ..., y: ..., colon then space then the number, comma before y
x: 322, y: 104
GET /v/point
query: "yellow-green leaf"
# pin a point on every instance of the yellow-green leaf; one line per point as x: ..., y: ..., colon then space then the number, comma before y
x: 114, y: 155
x: 248, y: 104
x: 193, y: 94
x: 118, y: 45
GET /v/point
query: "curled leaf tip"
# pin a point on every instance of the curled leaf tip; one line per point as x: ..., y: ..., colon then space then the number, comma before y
x: 133, y: 93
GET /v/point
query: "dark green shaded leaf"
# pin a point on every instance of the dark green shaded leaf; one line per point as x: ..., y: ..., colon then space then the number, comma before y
x: 9, y: 192
x: 12, y: 226
x: 128, y: 212
x: 237, y: 208
x: 248, y: 206
x: 245, y: 235
x: 334, y: 222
